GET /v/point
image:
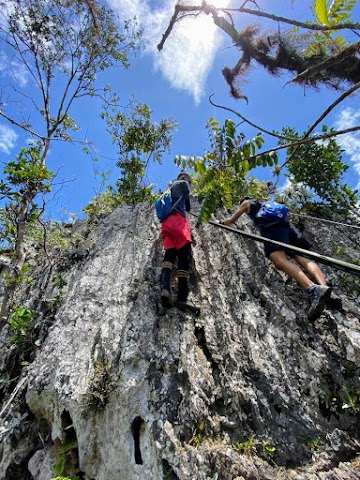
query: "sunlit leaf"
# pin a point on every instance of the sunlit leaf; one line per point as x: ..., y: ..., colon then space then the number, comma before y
x: 320, y: 8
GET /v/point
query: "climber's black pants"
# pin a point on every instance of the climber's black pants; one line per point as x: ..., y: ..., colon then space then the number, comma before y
x: 183, y: 254
x: 184, y: 257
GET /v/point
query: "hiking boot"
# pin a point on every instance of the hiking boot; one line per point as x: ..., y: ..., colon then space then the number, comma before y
x: 165, y: 287
x: 319, y: 296
x: 181, y: 305
x: 166, y: 299
x: 335, y: 303
x: 183, y: 287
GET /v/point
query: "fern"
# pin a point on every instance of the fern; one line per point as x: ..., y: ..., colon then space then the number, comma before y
x: 340, y: 10
x: 220, y: 176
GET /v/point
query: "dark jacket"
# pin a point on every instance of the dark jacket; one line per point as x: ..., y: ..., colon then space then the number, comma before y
x: 180, y: 194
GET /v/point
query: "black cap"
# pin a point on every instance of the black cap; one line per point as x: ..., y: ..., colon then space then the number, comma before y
x: 185, y: 176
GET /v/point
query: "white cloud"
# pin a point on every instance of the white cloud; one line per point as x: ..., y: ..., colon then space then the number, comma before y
x: 189, y: 51
x: 7, y: 138
x: 19, y: 72
x: 4, y: 62
x: 350, y: 142
x: 14, y: 69
x: 288, y: 184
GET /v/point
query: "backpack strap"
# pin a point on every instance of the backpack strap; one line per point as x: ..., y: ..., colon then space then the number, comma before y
x: 177, y: 201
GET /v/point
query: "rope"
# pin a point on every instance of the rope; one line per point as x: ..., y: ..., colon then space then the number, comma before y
x: 325, y: 220
x: 332, y: 262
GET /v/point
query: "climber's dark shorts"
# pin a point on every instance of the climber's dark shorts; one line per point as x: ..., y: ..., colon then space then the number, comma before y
x: 285, y: 234
x: 175, y: 231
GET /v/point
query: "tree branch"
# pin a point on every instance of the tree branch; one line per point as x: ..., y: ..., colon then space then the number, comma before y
x: 232, y: 32
x: 322, y: 116
x: 303, y: 140
x: 249, y: 122
x: 296, y: 23
x: 22, y: 126
x: 329, y: 62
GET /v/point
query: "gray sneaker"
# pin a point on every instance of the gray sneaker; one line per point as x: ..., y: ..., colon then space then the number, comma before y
x: 318, y: 295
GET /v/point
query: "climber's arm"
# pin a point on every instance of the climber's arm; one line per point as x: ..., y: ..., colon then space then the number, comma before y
x: 244, y: 208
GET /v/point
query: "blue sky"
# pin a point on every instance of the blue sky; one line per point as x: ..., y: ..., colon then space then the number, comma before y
x: 177, y: 83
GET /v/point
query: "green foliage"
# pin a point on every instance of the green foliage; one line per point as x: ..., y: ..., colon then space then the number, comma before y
x: 102, y: 204
x: 248, y: 446
x: 330, y: 400
x: 67, y: 460
x: 63, y: 478
x: 63, y: 45
x: 321, y: 11
x: 7, y: 229
x: 319, y: 166
x: 351, y: 399
x: 349, y: 368
x: 340, y: 11
x: 221, y: 175
x: 311, y: 443
x: 350, y: 283
x: 58, y: 237
x: 20, y: 322
x: 199, y: 435
x: 269, y: 449
x: 197, y: 439
x: 319, y: 46
x: 26, y: 172
x: 59, y: 467
x: 139, y: 140
x: 21, y: 277
x: 25, y: 178
x: 60, y: 283
x: 296, y: 196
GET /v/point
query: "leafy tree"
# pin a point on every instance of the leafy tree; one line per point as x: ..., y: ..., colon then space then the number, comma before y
x: 62, y: 46
x: 319, y: 166
x: 295, y: 195
x: 102, y: 204
x: 319, y: 52
x: 26, y: 178
x: 59, y: 46
x: 139, y: 140
x: 315, y: 169
x: 221, y: 176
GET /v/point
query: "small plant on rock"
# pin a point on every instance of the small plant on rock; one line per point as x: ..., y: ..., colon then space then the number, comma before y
x: 248, y: 446
x: 311, y: 443
x: 19, y: 323
x: 100, y: 387
x: 67, y: 460
x: 198, y: 434
x: 351, y: 400
x: 269, y: 449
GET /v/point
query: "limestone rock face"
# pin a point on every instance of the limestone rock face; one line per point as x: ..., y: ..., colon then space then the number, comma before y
x: 248, y: 390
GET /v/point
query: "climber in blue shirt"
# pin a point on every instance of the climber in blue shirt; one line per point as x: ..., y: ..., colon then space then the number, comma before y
x: 319, y: 293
